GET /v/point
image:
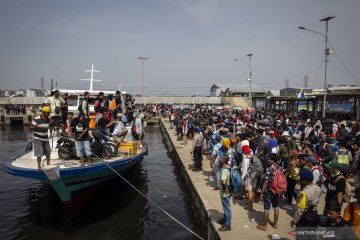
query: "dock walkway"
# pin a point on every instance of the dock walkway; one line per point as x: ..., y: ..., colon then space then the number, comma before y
x: 243, y: 222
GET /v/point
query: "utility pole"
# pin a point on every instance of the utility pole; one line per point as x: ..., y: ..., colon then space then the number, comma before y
x: 250, y: 77
x: 306, y: 81
x: 142, y: 76
x: 286, y: 86
x: 328, y: 51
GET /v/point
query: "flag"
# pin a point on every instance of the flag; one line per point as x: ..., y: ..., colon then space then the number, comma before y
x: 301, y: 94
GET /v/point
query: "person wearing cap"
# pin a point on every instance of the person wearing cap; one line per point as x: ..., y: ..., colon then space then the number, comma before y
x: 40, y: 126
x: 250, y: 183
x: 308, y: 200
x: 119, y: 130
x: 312, y: 163
x: 335, y: 185
x: 197, y: 149
x: 80, y: 126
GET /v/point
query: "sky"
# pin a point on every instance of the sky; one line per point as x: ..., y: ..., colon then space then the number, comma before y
x: 190, y: 44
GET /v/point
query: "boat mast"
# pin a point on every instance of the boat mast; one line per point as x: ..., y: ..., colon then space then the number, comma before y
x: 92, y: 77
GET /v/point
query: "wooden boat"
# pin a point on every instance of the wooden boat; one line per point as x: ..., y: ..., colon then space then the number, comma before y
x: 67, y: 177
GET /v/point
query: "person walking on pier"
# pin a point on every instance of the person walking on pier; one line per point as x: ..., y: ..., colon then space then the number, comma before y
x: 41, y: 145
x: 197, y: 149
x: 269, y: 196
x: 225, y: 194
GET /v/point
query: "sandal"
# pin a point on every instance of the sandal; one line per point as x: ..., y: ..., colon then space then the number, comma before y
x: 273, y: 225
x: 249, y: 209
x: 261, y: 227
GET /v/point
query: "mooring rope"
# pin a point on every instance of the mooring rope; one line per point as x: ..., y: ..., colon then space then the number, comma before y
x: 151, y: 201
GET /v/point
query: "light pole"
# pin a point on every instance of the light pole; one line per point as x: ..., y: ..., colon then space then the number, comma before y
x: 250, y: 73
x: 142, y: 76
x: 250, y: 77
x: 328, y: 51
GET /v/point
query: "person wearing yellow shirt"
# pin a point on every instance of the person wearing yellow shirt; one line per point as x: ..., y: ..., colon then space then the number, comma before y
x: 352, y: 213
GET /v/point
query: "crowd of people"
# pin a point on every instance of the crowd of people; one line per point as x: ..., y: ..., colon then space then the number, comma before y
x: 275, y: 156
x: 108, y: 119
x: 12, y: 109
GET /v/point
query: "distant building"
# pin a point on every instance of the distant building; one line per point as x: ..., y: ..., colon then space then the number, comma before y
x: 273, y: 93
x: 236, y: 90
x: 288, y: 92
x: 36, y: 93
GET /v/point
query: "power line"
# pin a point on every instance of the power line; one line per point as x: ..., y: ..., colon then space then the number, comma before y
x: 317, y: 74
x: 346, y: 68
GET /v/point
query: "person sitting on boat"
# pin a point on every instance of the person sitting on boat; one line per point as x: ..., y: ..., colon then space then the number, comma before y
x: 99, y: 106
x: 119, y: 131
x: 80, y: 126
x: 101, y: 125
x: 41, y: 145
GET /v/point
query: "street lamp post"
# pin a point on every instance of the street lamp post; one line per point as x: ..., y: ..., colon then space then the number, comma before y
x: 250, y: 77
x: 328, y: 51
x: 250, y: 74
x: 142, y: 77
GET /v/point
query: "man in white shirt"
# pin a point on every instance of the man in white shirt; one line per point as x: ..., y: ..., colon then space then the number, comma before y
x: 55, y: 103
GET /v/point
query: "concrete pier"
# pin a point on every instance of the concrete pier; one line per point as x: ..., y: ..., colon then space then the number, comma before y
x: 17, y: 119
x: 207, y: 203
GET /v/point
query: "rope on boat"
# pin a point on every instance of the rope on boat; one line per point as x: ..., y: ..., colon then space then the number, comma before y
x: 151, y: 201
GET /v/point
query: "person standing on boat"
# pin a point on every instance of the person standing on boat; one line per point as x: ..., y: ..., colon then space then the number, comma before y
x: 55, y: 103
x: 41, y: 145
x: 118, y: 104
x: 84, y: 104
x: 64, y: 112
x: 80, y: 126
x: 99, y: 106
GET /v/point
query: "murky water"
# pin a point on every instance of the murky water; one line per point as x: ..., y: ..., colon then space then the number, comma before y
x: 32, y: 210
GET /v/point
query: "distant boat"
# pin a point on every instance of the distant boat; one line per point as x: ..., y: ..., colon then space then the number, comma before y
x: 67, y: 177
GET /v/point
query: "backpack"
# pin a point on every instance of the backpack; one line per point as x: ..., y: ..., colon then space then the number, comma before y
x: 235, y: 180
x: 320, y: 182
x: 278, y: 184
x: 310, y: 218
x: 343, y: 157
x: 230, y: 186
x: 347, y: 193
x: 256, y: 168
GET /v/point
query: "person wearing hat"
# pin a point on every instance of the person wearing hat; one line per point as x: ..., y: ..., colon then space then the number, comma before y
x: 197, y: 149
x: 308, y: 200
x: 119, y: 131
x: 289, y: 143
x: 80, y: 127
x: 40, y: 126
x: 312, y: 163
x: 335, y: 185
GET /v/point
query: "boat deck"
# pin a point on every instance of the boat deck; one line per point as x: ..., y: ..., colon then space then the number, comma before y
x: 29, y: 161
